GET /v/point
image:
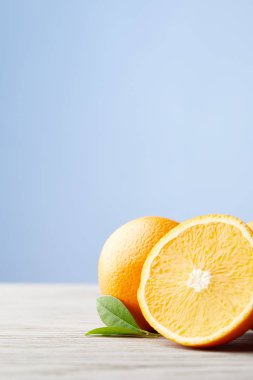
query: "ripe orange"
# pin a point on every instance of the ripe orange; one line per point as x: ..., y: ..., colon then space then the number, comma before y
x: 122, y: 258
x: 197, y: 283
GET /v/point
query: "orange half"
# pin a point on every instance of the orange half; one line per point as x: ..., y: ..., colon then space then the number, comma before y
x: 197, y: 282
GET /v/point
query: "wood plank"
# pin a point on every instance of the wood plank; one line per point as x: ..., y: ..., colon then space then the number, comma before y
x: 41, y: 336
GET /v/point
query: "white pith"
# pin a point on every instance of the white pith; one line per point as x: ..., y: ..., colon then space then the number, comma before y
x: 199, y: 279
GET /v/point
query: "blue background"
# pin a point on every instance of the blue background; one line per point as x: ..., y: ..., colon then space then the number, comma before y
x: 110, y: 110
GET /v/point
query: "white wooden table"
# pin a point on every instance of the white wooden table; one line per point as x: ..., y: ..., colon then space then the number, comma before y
x: 41, y: 337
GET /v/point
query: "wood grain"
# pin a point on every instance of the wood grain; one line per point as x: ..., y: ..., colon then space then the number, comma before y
x: 41, y: 337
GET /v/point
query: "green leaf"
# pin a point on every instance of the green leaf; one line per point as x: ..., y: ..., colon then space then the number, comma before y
x: 118, y: 320
x: 121, y: 331
x: 114, y: 313
x: 114, y: 331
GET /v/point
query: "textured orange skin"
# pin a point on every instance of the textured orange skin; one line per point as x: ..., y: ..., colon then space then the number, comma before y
x: 123, y: 256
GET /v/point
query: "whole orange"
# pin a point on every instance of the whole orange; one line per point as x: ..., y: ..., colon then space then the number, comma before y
x: 123, y: 256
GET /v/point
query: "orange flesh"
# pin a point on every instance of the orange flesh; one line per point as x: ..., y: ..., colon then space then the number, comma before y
x: 218, y: 249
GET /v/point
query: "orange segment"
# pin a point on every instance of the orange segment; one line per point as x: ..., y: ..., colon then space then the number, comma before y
x: 197, y: 283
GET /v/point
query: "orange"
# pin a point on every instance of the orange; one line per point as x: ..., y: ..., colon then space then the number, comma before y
x: 197, y: 282
x: 122, y: 258
x: 250, y: 224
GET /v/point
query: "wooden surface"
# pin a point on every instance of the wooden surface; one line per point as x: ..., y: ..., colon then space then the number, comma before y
x: 41, y: 337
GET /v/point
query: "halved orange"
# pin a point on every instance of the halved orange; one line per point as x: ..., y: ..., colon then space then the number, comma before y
x: 197, y: 282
